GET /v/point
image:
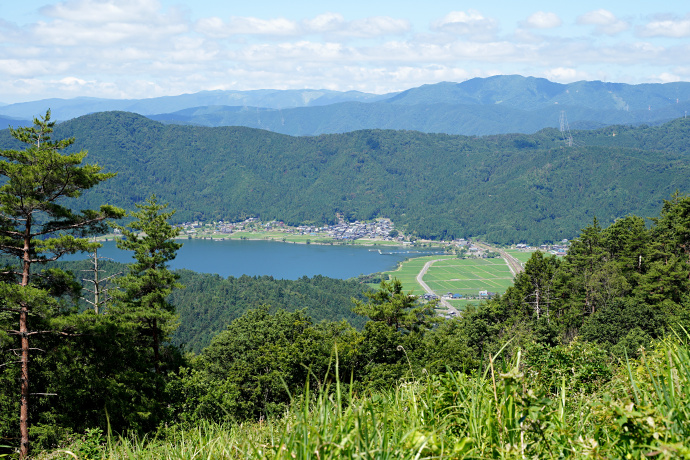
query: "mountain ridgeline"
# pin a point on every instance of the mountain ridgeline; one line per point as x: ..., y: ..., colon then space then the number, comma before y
x: 479, y: 106
x: 503, y: 188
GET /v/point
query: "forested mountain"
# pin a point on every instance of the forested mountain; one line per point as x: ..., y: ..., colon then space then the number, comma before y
x: 529, y: 93
x: 480, y: 106
x: 504, y: 188
x: 584, y: 355
x: 14, y: 122
x: 431, y: 118
x: 208, y: 303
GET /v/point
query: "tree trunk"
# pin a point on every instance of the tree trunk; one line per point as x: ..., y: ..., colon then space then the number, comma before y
x: 24, y: 333
x: 24, y: 401
x: 156, y: 353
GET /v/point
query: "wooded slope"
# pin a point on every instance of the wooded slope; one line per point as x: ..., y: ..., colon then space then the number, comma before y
x: 504, y: 188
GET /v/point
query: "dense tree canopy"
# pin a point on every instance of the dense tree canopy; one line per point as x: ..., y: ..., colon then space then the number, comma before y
x: 621, y: 287
x: 36, y: 227
x: 143, y: 298
x: 508, y: 188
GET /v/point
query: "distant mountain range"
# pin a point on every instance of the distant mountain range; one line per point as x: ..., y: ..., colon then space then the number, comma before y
x: 494, y: 105
x: 65, y: 109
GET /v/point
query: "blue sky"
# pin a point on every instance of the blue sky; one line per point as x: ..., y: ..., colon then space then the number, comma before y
x: 147, y: 48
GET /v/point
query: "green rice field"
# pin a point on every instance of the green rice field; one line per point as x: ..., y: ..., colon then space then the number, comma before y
x: 461, y: 276
x: 408, y: 271
x: 469, y: 276
x: 521, y: 255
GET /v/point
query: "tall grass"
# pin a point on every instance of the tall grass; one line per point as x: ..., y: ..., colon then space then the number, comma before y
x: 496, y: 413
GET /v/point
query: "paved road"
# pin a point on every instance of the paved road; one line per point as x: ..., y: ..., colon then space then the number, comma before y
x: 420, y: 279
x: 513, y: 264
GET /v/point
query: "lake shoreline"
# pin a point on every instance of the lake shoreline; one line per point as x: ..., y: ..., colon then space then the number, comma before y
x: 354, y: 243
x: 260, y: 256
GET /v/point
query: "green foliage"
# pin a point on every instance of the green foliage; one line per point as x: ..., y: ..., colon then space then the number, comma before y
x: 395, y: 308
x: 574, y: 360
x: 36, y: 226
x: 251, y: 369
x: 142, y: 300
x: 533, y: 293
x: 209, y: 302
x: 579, y: 368
x: 507, y: 411
x: 491, y: 189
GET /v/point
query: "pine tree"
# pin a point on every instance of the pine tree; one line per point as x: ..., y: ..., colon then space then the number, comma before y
x: 37, y: 227
x: 149, y: 282
x: 395, y: 308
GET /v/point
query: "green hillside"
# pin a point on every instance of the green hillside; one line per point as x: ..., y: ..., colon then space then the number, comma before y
x: 585, y: 355
x: 503, y: 188
x: 209, y: 302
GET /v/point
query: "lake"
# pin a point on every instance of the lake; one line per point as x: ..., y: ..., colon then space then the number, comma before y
x: 277, y: 259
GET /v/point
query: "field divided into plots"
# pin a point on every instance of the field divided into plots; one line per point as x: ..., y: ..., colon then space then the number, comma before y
x: 458, y: 276
x: 408, y: 271
x: 521, y: 255
x: 469, y: 276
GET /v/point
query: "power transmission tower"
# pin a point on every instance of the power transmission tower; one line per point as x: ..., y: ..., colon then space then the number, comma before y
x: 565, y: 130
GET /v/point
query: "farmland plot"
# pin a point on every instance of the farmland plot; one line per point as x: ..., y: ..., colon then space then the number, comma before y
x: 469, y: 276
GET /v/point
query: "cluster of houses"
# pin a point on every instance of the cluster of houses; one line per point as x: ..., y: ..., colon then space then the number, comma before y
x: 191, y: 228
x: 559, y: 249
x: 482, y: 295
x: 381, y: 229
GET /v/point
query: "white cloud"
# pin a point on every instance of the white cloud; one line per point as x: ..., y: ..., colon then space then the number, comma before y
x: 605, y: 21
x: 376, y: 26
x: 22, y: 68
x: 542, y: 20
x: 86, y: 23
x: 304, y: 51
x: 327, y: 24
x: 666, y: 27
x: 667, y: 77
x: 137, y: 48
x: 8, y: 31
x: 566, y: 75
x: 64, y: 33
x: 256, y: 26
x: 103, y: 11
x: 470, y: 23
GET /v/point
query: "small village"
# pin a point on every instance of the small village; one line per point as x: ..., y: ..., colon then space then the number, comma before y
x: 379, y: 230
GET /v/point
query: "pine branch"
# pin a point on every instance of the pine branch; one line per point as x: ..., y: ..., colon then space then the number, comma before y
x: 27, y: 334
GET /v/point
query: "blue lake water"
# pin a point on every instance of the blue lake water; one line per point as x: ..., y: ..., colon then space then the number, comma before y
x: 280, y: 260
